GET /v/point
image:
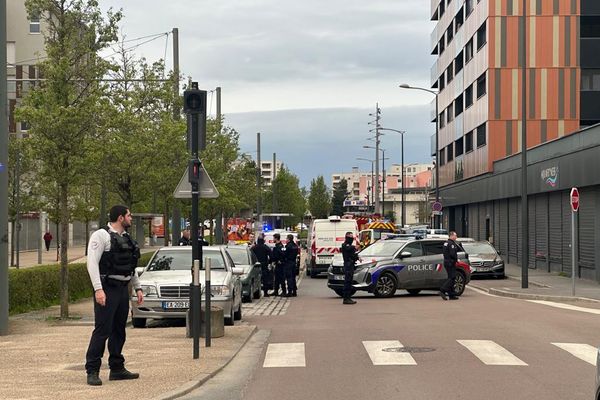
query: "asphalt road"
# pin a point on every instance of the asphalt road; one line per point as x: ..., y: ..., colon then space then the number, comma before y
x: 321, y: 349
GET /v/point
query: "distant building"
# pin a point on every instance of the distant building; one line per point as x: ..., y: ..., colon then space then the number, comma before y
x: 24, y: 49
x: 268, y: 173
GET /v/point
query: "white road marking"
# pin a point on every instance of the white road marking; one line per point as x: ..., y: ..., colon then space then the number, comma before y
x: 281, y: 355
x: 584, y: 352
x: 481, y: 291
x: 491, y: 353
x: 381, y: 357
x: 566, y: 306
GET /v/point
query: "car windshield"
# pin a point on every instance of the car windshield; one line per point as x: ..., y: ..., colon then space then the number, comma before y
x: 478, y: 248
x: 386, y: 248
x: 177, y: 260
x: 239, y: 256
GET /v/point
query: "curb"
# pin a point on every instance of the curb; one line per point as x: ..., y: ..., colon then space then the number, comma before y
x: 192, y: 385
x: 533, y: 296
x: 533, y: 283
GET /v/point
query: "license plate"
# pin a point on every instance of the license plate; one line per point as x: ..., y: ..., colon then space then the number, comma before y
x: 324, y: 260
x: 483, y: 269
x: 175, y: 304
x: 338, y: 277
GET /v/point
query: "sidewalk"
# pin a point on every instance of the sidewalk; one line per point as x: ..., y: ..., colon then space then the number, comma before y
x: 542, y: 286
x: 43, y: 358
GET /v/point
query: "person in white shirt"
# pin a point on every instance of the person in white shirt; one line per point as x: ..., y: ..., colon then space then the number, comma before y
x: 111, y: 261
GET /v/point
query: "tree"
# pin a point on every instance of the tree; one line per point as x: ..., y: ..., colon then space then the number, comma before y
x: 339, y: 195
x: 62, y: 109
x: 319, y: 202
x: 288, y: 197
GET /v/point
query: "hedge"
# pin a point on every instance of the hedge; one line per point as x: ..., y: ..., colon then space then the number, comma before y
x: 35, y: 288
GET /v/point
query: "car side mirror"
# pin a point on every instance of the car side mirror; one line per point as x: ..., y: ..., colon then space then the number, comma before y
x: 405, y: 254
x: 139, y: 270
x: 462, y: 254
x: 237, y: 271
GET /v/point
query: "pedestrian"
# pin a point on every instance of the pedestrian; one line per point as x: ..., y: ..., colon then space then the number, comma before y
x: 291, y: 253
x: 47, y: 240
x: 278, y: 260
x: 263, y: 254
x: 451, y: 250
x: 111, y: 262
x: 185, y: 239
x: 350, y: 259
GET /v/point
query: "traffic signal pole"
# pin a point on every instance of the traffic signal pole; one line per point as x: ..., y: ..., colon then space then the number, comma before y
x: 3, y: 179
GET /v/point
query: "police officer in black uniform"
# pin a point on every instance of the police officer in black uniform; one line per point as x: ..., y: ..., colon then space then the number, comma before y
x: 350, y: 258
x: 185, y: 239
x: 451, y: 250
x: 291, y: 254
x: 111, y: 262
x: 263, y: 254
x: 278, y: 260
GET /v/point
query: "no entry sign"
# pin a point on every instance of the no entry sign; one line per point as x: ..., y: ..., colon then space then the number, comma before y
x: 574, y: 199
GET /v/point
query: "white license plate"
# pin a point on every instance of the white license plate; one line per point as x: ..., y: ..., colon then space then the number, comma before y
x: 175, y: 304
x: 483, y: 269
x: 324, y: 260
x: 338, y: 277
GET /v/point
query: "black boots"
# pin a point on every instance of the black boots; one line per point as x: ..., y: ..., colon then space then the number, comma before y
x: 122, y: 375
x: 443, y: 295
x: 266, y: 293
x: 93, y: 379
x: 349, y: 301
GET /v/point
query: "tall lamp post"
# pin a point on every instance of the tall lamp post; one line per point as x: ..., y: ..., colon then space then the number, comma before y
x: 402, y: 147
x: 372, y: 175
x: 383, y: 180
x: 437, y: 219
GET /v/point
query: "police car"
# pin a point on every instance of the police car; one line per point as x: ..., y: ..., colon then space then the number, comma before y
x: 412, y: 264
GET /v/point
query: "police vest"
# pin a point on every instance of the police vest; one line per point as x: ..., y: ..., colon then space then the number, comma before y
x: 122, y: 257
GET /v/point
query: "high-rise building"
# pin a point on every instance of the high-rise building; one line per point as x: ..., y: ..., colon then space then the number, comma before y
x: 268, y: 173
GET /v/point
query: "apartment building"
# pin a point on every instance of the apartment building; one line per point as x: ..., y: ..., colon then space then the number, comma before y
x: 268, y: 173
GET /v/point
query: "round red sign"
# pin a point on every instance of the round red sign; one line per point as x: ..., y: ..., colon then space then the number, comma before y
x: 575, y: 199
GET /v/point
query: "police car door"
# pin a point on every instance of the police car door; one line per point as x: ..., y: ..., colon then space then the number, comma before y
x: 411, y: 275
x: 434, y: 260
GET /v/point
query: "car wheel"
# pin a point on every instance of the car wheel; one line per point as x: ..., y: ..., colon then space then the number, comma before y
x: 340, y: 292
x: 413, y: 292
x: 238, y: 314
x: 460, y: 283
x: 138, y: 322
x: 385, y: 285
x: 229, y: 320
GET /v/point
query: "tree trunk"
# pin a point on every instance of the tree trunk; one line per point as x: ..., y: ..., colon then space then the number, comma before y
x: 64, y: 242
x: 87, y: 235
x: 166, y: 223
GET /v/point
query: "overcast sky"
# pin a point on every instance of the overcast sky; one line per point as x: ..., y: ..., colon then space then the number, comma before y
x: 304, y: 74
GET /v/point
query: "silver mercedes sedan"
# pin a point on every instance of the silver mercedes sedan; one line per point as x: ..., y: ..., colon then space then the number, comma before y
x: 166, y: 283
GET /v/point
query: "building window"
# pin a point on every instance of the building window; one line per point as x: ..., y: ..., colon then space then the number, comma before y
x: 481, y: 36
x: 442, y: 45
x: 481, y: 86
x: 443, y: 81
x: 590, y: 80
x: 458, y: 62
x: 459, y: 105
x: 34, y: 24
x: 469, y: 96
x: 481, y: 135
x: 450, y: 73
x: 442, y: 157
x: 469, y: 51
x: 450, y: 152
x: 590, y: 26
x: 450, y: 32
x: 468, y: 7
x: 459, y: 20
x: 442, y: 120
x: 450, y: 112
x: 459, y: 147
x: 469, y: 142
x: 442, y: 8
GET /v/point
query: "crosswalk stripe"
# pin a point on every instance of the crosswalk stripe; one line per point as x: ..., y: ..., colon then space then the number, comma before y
x: 584, y: 352
x: 491, y: 353
x: 280, y: 355
x: 379, y: 356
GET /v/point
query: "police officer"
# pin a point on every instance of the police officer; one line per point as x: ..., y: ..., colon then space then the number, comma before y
x: 111, y: 261
x: 451, y: 250
x: 278, y: 260
x: 350, y: 258
x: 291, y: 253
x: 185, y: 239
x: 263, y: 254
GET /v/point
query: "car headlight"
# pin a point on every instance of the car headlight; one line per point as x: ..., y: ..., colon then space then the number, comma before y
x: 220, y: 290
x: 149, y: 290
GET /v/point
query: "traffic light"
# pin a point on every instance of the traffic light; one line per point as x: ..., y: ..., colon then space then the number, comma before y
x: 194, y: 100
x: 194, y: 171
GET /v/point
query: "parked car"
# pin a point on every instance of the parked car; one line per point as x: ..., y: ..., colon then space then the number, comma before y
x: 166, y: 283
x: 485, y: 260
x: 244, y: 258
x: 410, y: 264
x: 326, y: 238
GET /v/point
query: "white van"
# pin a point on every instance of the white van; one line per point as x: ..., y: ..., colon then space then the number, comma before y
x: 326, y: 239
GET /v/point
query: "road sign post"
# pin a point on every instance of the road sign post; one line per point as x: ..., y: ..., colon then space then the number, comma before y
x: 574, y: 208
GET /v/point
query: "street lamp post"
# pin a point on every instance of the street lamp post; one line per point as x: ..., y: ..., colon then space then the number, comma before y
x: 377, y: 150
x: 403, y: 217
x: 372, y: 176
x: 437, y: 220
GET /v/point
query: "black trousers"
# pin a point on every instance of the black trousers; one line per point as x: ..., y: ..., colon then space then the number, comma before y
x: 110, y: 321
x: 448, y: 286
x: 266, y: 277
x: 279, y: 279
x: 47, y: 242
x: 290, y: 276
x: 348, y: 278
